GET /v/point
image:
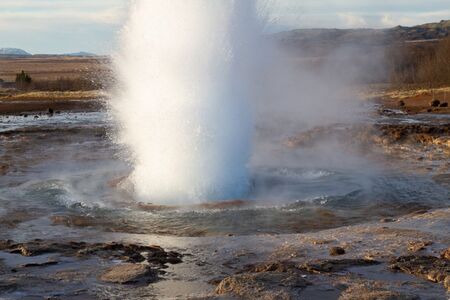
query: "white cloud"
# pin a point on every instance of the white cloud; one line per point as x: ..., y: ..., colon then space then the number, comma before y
x: 39, y: 14
x: 352, y: 20
x: 64, y: 23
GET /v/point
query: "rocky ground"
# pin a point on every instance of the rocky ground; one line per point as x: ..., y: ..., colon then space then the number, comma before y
x: 408, y: 257
x: 403, y: 258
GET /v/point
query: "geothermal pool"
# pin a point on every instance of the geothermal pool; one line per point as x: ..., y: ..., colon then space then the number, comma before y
x: 66, y: 171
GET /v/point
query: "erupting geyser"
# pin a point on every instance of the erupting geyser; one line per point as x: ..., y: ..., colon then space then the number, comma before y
x: 185, y: 83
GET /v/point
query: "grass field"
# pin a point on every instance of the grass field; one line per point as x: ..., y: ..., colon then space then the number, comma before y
x: 53, y: 67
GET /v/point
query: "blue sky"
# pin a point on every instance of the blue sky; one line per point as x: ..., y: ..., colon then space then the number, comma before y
x: 62, y: 26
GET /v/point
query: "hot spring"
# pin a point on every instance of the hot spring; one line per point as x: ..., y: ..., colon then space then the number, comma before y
x: 212, y: 129
x: 183, y: 105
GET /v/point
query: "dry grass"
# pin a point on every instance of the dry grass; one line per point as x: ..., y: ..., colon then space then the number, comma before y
x: 34, y: 96
x: 53, y: 67
x: 400, y: 94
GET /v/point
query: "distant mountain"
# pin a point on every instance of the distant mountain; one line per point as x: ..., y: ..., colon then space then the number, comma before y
x: 80, y: 54
x: 313, y: 39
x: 13, y: 52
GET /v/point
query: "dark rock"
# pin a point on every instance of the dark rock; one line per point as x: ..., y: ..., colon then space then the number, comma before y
x: 215, y: 281
x: 50, y: 111
x: 129, y: 273
x: 332, y: 266
x: 401, y: 103
x: 4, y: 169
x: 435, y: 103
x: 387, y: 220
x: 335, y: 251
x: 279, y: 266
x: 429, y: 267
x: 44, y: 264
x: 445, y: 104
x: 15, y: 217
x: 6, y: 287
x: 126, y: 252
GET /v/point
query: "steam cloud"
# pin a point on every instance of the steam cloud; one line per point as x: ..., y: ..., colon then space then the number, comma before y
x: 198, y: 79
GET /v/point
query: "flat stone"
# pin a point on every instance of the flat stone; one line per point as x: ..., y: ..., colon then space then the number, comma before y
x: 264, y: 285
x: 128, y: 273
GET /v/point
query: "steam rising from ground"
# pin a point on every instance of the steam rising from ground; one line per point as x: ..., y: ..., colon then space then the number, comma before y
x: 186, y: 69
x: 198, y: 78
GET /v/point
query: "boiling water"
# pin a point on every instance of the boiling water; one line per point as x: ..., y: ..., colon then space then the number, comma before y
x: 67, y: 166
x: 185, y: 70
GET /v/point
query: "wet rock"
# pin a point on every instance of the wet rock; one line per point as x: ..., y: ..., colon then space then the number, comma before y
x: 279, y: 266
x: 446, y: 254
x: 6, y: 286
x: 4, y: 169
x: 417, y: 246
x: 125, y: 252
x: 44, y: 264
x: 129, y: 273
x: 31, y: 249
x: 15, y: 217
x: 332, y: 266
x: 72, y: 275
x: 447, y: 283
x: 435, y: 103
x: 160, y: 257
x: 336, y: 251
x: 387, y: 220
x: 445, y: 104
x: 428, y: 267
x: 370, y: 292
x: 265, y: 285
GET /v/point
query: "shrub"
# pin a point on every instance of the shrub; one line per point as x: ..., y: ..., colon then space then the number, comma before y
x: 23, y: 81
